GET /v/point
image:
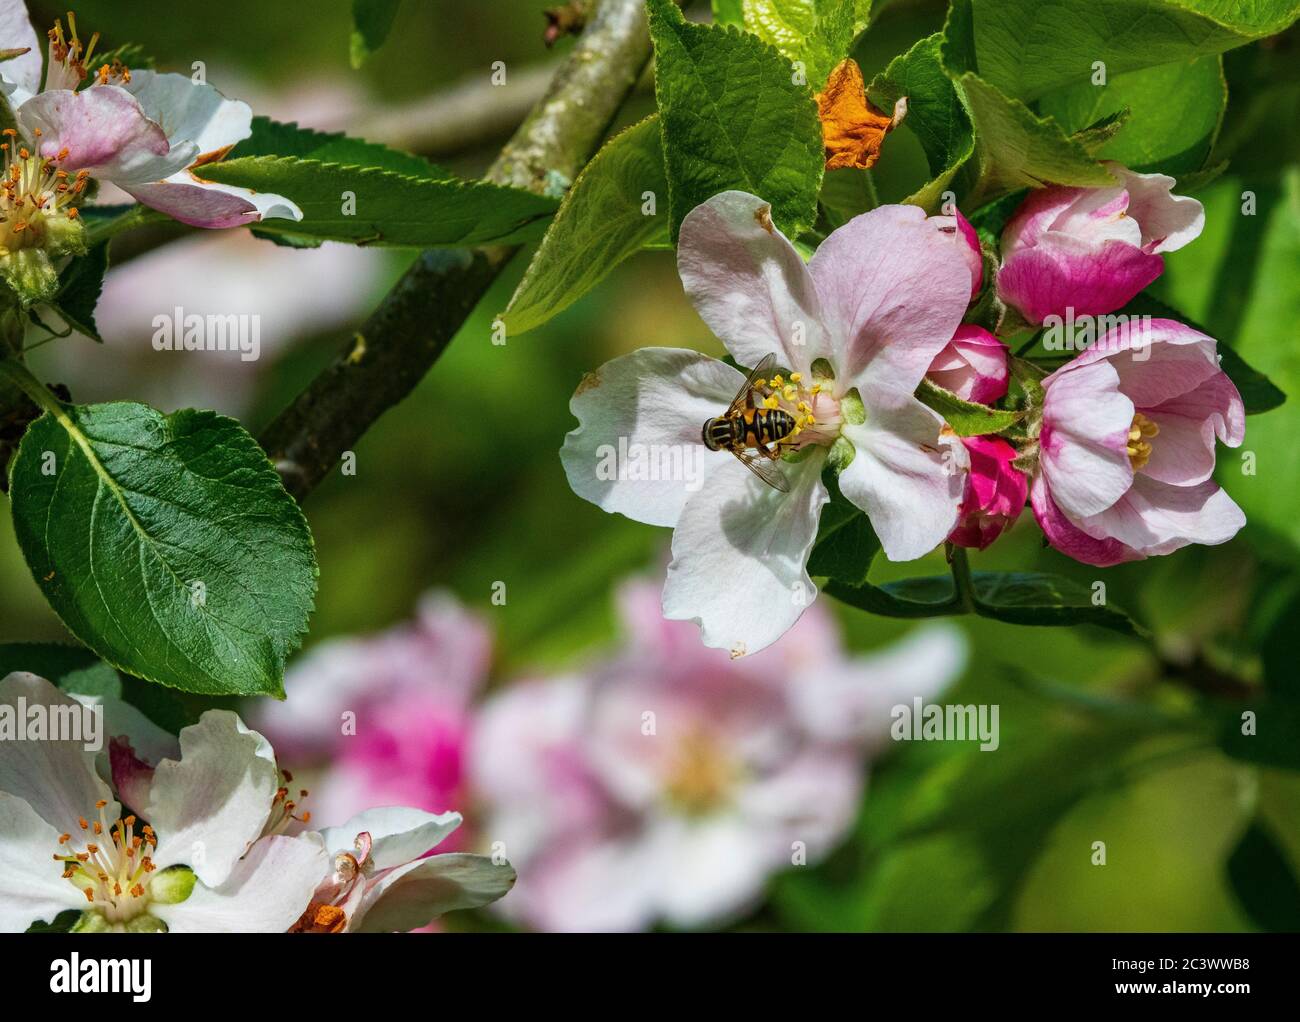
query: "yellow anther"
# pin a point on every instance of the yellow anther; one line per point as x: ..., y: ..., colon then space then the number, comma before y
x: 796, y: 377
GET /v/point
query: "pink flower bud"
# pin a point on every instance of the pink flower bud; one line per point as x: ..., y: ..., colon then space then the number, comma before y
x: 995, y: 492
x: 1092, y: 249
x: 973, y: 365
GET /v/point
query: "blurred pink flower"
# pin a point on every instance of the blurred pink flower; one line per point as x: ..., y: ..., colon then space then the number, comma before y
x: 669, y: 782
x: 390, y: 713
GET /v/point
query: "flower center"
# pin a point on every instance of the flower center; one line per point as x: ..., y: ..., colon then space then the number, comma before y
x: 36, y: 197
x: 700, y: 776
x: 815, y: 411
x: 112, y: 874
x: 1140, y: 435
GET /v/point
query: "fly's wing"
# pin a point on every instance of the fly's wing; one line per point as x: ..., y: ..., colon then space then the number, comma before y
x: 765, y: 470
x: 764, y: 367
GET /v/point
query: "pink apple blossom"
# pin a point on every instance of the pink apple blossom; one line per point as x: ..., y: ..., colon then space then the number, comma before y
x: 1127, y: 446
x: 669, y: 782
x: 145, y: 132
x: 973, y: 365
x: 390, y: 712
x: 857, y: 328
x: 1092, y: 249
x: 995, y: 492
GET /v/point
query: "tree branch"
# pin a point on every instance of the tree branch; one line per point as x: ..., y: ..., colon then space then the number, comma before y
x: 413, y: 325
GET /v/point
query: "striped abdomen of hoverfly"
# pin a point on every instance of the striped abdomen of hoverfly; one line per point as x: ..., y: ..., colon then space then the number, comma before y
x: 750, y: 427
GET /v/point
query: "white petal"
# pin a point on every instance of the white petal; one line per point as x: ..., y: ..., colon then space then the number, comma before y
x: 853, y: 700
x: 265, y: 892
x: 413, y: 895
x: 21, y: 77
x: 399, y: 835
x: 637, y: 450
x: 31, y: 884
x: 56, y: 778
x: 893, y: 290
x: 906, y: 474
x: 749, y: 284
x: 191, y: 111
x: 710, y: 868
x: 740, y: 552
x: 212, y: 804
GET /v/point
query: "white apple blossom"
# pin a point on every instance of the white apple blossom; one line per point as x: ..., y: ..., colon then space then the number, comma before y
x: 201, y: 862
x: 856, y: 329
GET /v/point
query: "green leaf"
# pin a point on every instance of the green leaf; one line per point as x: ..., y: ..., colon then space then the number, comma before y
x: 280, y: 138
x: 80, y: 285
x: 846, y: 543
x: 729, y: 12
x: 819, y: 33
x: 1257, y: 391
x: 372, y: 20
x: 601, y: 221
x: 1033, y: 598
x: 165, y: 543
x: 390, y: 208
x: 1173, y: 114
x: 733, y: 118
x: 936, y: 113
x: 1027, y: 48
x: 932, y: 596
x: 1022, y: 598
x: 967, y: 418
x: 71, y: 668
x: 1275, y: 734
x: 1015, y: 148
x: 1262, y: 879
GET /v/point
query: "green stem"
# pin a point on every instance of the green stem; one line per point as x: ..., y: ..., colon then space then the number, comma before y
x: 136, y: 216
x: 871, y: 189
x: 961, y: 577
x: 19, y: 375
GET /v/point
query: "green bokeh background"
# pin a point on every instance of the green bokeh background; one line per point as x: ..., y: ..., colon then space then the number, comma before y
x: 456, y: 489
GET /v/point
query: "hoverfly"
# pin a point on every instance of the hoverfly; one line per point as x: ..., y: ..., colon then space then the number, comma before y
x: 745, y: 425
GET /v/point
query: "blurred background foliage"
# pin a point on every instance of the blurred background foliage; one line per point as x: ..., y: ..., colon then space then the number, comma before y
x: 461, y: 486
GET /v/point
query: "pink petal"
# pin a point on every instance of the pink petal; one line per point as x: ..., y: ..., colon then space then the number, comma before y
x: 1168, y: 221
x: 1156, y: 361
x: 1062, y: 272
x: 749, y: 284
x: 1068, y: 538
x: 199, y: 203
x: 973, y: 365
x: 1156, y: 518
x: 1183, y: 452
x: 893, y: 291
x: 104, y: 130
x: 1084, y: 438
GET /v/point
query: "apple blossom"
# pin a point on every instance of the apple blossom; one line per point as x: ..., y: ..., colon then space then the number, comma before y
x: 381, y: 881
x: 142, y: 131
x: 995, y: 492
x: 409, y: 693
x: 856, y: 328
x: 973, y: 365
x: 1127, y: 446
x: 201, y: 862
x: 669, y: 782
x: 1092, y: 249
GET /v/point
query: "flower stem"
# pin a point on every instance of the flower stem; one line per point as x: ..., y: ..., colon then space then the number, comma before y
x: 20, y: 376
x: 961, y: 577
